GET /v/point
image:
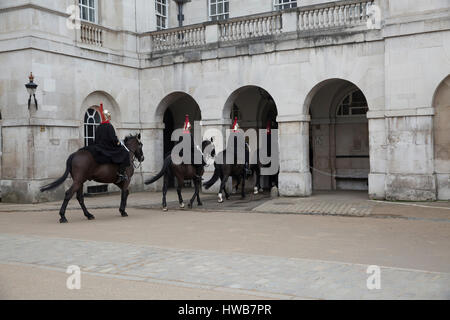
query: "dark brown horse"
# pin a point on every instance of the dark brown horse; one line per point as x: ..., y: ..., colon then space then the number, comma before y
x: 82, y: 166
x: 181, y: 172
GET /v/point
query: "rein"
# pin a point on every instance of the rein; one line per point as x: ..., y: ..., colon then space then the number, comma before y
x: 133, y: 157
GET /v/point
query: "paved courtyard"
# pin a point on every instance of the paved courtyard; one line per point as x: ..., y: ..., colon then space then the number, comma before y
x: 257, y: 248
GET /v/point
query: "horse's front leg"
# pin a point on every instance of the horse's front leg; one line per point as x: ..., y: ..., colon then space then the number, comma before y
x: 123, y: 201
x: 199, y: 202
x: 80, y: 198
x: 257, y: 186
x: 196, y: 192
x: 180, y: 197
x: 222, y: 189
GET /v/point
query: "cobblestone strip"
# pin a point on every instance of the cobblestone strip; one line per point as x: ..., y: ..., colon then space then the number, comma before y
x: 322, y: 207
x: 263, y: 275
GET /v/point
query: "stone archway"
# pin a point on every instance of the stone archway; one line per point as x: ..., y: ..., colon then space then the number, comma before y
x: 254, y: 108
x: 441, y: 125
x: 172, y: 111
x: 339, y: 137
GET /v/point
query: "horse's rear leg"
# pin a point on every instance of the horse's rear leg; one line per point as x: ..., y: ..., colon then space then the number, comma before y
x: 243, y: 185
x: 165, y: 187
x: 69, y: 194
x: 123, y: 201
x: 80, y: 198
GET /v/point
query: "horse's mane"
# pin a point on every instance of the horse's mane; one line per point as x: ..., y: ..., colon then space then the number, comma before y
x: 130, y: 136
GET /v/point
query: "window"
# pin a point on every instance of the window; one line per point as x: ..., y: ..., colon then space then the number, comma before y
x: 91, y: 122
x: 219, y: 10
x: 87, y: 10
x: 161, y: 14
x: 284, y: 4
x: 354, y: 104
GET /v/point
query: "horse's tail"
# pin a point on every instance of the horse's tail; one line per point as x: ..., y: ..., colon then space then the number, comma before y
x: 63, y: 178
x: 213, y: 179
x: 166, y: 164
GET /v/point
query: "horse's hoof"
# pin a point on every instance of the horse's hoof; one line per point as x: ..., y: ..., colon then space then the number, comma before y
x: 190, y: 205
x: 63, y: 220
x: 90, y: 217
x: 165, y: 209
x: 255, y: 190
x: 124, y: 214
x: 200, y: 204
x: 182, y: 205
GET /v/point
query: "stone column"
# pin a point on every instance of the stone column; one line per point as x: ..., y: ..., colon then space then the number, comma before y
x: 153, y: 147
x: 293, y: 137
x: 410, y: 168
x: 377, y: 154
x: 217, y: 128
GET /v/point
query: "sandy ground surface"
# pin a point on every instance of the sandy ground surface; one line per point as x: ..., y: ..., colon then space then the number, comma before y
x: 419, y: 241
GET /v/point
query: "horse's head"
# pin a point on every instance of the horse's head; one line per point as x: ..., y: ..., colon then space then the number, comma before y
x: 134, y: 144
x: 208, y: 150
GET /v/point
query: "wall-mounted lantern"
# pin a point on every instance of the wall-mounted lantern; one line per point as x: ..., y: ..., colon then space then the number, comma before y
x: 180, y: 16
x: 31, y: 88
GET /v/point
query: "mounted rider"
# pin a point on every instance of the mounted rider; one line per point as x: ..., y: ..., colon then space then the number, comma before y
x: 107, y: 144
x: 195, y: 149
x: 235, y: 134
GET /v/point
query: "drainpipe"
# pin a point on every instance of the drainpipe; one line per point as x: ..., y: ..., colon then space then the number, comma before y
x: 180, y: 17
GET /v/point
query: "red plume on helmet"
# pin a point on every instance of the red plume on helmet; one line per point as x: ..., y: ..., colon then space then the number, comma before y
x: 187, y: 125
x: 268, y: 127
x: 235, y: 125
x: 102, y: 115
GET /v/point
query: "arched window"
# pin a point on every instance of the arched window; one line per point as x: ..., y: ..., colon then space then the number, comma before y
x: 354, y: 104
x: 91, y: 121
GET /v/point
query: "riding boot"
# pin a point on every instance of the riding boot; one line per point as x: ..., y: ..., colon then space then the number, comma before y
x: 122, y: 176
x: 248, y: 172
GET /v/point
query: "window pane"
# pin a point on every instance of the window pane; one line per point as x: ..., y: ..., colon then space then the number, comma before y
x: 84, y: 2
x: 84, y: 13
x: 220, y: 8
x: 91, y: 15
x: 91, y: 3
x: 213, y: 10
x: 227, y: 7
x: 359, y: 110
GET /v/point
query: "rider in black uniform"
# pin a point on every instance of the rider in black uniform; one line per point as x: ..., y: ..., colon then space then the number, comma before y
x: 107, y: 144
x: 194, y: 148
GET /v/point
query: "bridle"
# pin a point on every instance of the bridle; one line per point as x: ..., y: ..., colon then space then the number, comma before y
x: 134, y: 159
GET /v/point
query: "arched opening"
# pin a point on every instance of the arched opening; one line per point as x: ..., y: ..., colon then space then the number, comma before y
x: 254, y: 108
x: 172, y: 111
x: 441, y: 125
x: 339, y: 136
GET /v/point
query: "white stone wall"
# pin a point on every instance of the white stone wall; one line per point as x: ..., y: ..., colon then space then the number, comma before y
x: 397, y: 68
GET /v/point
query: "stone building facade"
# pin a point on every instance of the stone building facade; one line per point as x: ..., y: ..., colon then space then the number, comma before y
x: 359, y: 89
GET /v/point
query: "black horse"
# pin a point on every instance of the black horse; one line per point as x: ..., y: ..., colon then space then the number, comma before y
x: 82, y: 166
x: 223, y: 171
x: 181, y: 172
